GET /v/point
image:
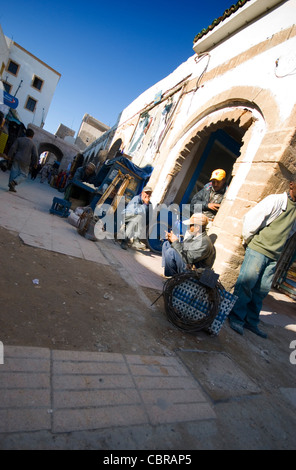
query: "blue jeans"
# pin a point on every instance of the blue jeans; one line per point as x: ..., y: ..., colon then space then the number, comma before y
x: 171, y: 260
x: 18, y: 173
x: 252, y: 286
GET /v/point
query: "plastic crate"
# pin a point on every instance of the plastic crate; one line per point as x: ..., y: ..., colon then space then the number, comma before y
x: 60, y: 207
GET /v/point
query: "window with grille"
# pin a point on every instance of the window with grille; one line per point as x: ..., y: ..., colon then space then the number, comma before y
x: 37, y: 82
x: 31, y: 104
x: 13, y: 67
x: 7, y: 87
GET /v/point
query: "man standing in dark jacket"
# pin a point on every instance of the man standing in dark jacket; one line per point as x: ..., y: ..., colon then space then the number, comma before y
x: 23, y: 154
x: 209, y: 198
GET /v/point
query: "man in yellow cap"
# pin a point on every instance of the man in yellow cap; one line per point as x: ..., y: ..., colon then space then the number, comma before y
x: 209, y: 198
x: 196, y: 250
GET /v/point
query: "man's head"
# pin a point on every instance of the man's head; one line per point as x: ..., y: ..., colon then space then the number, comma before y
x: 197, y: 223
x: 292, y: 188
x: 90, y: 168
x: 29, y: 133
x: 218, y: 179
x: 146, y: 194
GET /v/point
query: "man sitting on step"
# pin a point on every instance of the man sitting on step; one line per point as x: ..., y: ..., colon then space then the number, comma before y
x: 136, y: 218
x: 196, y: 251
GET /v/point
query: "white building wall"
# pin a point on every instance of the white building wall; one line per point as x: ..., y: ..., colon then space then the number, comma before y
x: 4, y: 51
x: 250, y: 73
x: 29, y: 67
x: 258, y: 73
x: 4, y: 54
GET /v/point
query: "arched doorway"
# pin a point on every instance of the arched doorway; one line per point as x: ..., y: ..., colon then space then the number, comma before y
x: 217, y: 142
x: 54, y: 153
x: 221, y: 151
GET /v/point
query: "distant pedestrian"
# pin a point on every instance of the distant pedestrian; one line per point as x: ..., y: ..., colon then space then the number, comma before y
x: 23, y: 154
x: 45, y: 172
x: 35, y: 171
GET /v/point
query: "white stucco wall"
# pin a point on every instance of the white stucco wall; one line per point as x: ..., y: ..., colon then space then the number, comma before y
x: 30, y: 66
x: 257, y: 74
x: 277, y: 20
x: 4, y: 51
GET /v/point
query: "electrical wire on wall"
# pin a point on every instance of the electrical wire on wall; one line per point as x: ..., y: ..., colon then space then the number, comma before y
x: 197, y: 60
x: 277, y: 65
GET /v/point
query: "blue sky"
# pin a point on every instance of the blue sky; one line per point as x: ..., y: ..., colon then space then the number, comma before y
x: 108, y: 53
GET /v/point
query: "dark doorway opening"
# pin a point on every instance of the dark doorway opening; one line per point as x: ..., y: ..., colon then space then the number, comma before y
x: 221, y: 151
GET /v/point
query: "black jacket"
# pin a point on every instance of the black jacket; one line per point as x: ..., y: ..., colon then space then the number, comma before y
x: 205, y: 196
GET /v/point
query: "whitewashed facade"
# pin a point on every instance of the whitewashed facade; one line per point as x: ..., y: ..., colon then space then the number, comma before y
x: 31, y: 81
x: 231, y: 105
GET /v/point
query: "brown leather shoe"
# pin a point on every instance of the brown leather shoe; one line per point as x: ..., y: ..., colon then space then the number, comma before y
x: 12, y: 186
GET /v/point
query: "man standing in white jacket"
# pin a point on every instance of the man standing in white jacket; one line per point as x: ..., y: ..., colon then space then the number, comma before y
x: 266, y: 228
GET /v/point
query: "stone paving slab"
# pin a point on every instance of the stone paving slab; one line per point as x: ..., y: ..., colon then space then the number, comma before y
x: 144, y: 269
x: 62, y: 391
x: 221, y: 377
x: 25, y: 389
x: 289, y: 394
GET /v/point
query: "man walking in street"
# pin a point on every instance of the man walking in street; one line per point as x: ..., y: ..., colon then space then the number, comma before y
x: 266, y: 229
x: 23, y: 154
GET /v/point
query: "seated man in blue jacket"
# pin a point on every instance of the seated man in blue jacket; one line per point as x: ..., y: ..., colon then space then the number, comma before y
x: 136, y: 218
x: 196, y: 251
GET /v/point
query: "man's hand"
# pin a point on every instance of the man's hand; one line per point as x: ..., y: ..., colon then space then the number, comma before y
x: 213, y: 207
x: 171, y: 237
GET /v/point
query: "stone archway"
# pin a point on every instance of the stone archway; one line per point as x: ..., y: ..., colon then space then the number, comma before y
x: 62, y: 150
x: 267, y: 153
x: 246, y: 123
x: 235, y: 122
x: 53, y: 149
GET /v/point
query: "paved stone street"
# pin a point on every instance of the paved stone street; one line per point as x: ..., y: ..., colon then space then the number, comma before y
x: 80, y: 399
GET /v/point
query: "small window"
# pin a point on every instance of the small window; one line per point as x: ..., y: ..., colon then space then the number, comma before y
x: 7, y: 87
x: 31, y: 104
x: 13, y: 67
x: 37, y: 82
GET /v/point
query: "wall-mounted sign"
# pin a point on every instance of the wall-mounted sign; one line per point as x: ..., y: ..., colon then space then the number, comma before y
x: 10, y: 100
